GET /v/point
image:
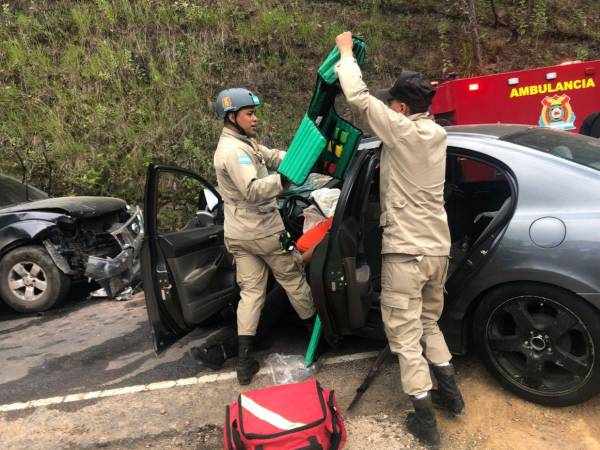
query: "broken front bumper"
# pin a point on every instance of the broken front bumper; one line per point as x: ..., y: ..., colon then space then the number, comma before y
x: 117, y: 273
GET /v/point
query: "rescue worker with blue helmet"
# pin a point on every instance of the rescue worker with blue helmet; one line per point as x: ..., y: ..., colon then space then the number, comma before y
x: 253, y: 226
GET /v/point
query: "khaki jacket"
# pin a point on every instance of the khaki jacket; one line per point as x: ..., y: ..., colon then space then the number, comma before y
x: 248, y: 191
x: 412, y: 173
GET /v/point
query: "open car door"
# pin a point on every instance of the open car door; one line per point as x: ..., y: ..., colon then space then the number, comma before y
x: 345, y: 271
x: 187, y: 273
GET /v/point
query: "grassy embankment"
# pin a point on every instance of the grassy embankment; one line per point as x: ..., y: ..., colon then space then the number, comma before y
x: 90, y: 92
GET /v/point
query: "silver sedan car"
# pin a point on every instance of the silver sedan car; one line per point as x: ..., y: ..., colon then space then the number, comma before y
x: 523, y: 288
x: 523, y: 208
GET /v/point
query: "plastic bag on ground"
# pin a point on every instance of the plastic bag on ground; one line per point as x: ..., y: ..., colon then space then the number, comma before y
x: 285, y: 369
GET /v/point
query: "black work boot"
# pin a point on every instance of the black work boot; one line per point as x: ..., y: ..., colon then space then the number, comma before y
x: 247, y: 366
x: 447, y: 395
x: 422, y: 424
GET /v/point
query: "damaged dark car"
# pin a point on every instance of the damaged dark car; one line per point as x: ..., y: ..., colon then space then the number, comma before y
x: 46, y: 244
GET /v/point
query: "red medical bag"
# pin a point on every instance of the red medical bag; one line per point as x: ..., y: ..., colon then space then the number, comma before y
x: 299, y: 416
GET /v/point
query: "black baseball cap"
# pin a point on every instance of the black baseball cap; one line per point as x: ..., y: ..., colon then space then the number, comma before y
x: 411, y: 88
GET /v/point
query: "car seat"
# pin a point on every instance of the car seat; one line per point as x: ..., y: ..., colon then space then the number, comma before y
x: 500, y: 215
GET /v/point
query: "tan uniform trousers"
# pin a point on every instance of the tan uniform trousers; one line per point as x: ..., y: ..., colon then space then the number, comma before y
x: 253, y: 260
x: 412, y: 300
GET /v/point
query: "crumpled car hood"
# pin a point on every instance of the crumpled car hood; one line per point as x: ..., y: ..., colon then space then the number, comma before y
x: 79, y: 207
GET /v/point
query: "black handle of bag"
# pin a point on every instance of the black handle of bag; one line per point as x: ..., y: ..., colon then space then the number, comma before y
x: 313, y: 444
x: 336, y: 440
x: 336, y: 435
x: 229, y: 444
x: 237, y: 440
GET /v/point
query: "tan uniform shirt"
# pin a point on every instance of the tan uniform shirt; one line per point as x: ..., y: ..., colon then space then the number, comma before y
x: 412, y: 174
x: 248, y: 191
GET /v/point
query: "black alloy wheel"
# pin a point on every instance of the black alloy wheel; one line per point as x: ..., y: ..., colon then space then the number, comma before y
x: 541, y: 342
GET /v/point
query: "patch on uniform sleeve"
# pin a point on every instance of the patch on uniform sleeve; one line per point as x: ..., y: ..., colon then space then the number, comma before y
x: 245, y: 160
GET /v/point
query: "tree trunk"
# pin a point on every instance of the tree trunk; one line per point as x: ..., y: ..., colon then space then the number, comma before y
x: 471, y: 8
x: 495, y: 13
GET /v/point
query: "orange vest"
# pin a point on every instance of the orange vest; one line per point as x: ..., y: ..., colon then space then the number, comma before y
x: 314, y: 235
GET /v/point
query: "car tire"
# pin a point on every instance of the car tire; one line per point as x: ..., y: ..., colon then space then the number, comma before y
x: 540, y: 342
x: 30, y: 281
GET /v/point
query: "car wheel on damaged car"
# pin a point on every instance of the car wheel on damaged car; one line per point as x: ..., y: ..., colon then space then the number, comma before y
x: 30, y: 281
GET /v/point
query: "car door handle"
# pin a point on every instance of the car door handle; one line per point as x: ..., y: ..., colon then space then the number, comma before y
x: 212, y: 237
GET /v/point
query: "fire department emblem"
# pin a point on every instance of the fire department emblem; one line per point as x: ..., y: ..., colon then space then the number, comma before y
x: 226, y: 102
x: 557, y: 113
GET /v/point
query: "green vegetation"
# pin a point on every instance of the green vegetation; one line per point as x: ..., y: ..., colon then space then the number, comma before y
x: 91, y: 91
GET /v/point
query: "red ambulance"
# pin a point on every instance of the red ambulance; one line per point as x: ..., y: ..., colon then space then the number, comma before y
x: 559, y: 97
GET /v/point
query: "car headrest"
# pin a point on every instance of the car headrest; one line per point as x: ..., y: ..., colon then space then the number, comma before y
x: 499, y: 217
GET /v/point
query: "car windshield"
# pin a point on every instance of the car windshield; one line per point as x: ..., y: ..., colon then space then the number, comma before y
x: 12, y: 192
x: 583, y: 150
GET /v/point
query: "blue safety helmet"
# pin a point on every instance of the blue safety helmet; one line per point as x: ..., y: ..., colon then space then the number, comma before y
x: 234, y: 99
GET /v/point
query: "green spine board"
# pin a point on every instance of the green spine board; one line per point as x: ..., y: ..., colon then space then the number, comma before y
x: 311, y: 350
x: 327, y: 69
x: 309, y: 143
x: 328, y: 126
x: 354, y: 135
x: 305, y: 149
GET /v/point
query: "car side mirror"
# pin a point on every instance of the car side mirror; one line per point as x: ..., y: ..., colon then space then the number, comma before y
x: 210, y: 200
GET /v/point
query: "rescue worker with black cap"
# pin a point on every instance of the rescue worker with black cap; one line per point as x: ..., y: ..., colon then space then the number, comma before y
x: 254, y: 231
x: 416, y: 238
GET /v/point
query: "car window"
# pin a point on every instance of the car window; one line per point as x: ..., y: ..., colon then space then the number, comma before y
x: 583, y: 150
x: 474, y: 171
x: 180, y: 199
x: 13, y: 192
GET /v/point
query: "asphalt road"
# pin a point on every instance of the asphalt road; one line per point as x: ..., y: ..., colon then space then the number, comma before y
x: 88, y: 346
x: 101, y: 344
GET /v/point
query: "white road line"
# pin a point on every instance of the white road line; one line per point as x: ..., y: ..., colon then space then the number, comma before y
x: 161, y: 385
